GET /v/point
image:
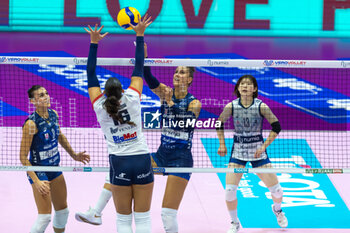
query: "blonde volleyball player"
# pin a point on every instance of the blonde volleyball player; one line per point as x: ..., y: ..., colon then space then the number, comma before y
x: 119, y: 114
x: 176, y: 142
x: 40, y: 137
x: 248, y: 113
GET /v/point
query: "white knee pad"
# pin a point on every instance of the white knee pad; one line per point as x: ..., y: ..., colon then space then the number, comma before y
x: 231, y: 192
x: 276, y: 191
x: 60, y: 218
x: 142, y: 222
x: 107, y: 179
x: 41, y: 223
x: 169, y: 220
x: 124, y: 223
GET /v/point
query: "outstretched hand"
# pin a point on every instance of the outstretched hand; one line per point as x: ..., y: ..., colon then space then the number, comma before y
x: 95, y: 34
x: 142, y: 25
x: 81, y: 157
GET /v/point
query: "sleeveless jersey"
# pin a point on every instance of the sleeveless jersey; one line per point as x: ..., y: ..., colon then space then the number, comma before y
x: 175, y: 135
x: 248, y: 130
x: 122, y: 139
x: 44, y: 148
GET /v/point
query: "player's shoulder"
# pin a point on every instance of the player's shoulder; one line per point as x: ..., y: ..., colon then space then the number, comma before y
x: 228, y: 105
x: 29, y: 125
x: 52, y: 111
x: 234, y: 102
x: 132, y: 92
x: 258, y: 101
x: 131, y: 95
x: 99, y: 101
x: 29, y: 122
x: 264, y: 108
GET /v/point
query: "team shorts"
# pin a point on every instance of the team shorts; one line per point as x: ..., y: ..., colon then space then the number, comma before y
x: 130, y: 169
x: 178, y: 157
x: 255, y: 163
x: 49, y: 176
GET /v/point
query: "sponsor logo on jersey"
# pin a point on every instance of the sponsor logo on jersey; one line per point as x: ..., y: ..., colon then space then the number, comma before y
x: 125, y: 137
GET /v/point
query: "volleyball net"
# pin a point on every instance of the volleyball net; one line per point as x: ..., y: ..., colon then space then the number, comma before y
x: 310, y: 99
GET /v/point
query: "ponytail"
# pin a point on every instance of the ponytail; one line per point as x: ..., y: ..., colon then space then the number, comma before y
x: 113, y: 90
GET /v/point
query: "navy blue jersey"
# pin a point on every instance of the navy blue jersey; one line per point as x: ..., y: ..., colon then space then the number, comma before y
x: 44, y: 148
x: 174, y: 133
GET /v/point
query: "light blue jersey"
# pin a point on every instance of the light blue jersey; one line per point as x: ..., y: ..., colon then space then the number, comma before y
x: 248, y: 130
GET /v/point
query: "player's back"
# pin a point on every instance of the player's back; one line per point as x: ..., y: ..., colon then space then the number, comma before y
x: 123, y: 139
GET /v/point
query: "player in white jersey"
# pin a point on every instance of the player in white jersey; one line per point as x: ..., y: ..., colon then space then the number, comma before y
x: 41, y: 136
x: 248, y: 113
x: 119, y: 114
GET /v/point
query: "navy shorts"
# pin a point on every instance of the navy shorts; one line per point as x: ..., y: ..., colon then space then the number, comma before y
x: 130, y: 169
x: 45, y: 176
x: 255, y: 163
x: 178, y: 157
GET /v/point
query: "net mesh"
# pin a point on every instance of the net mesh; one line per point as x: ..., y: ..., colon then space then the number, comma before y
x: 312, y: 104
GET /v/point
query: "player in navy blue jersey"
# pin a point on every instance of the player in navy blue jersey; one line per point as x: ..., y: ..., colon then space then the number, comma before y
x: 40, y: 138
x: 119, y: 114
x: 177, y: 105
x: 248, y: 113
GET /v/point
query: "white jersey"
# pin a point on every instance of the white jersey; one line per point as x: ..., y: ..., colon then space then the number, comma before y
x: 248, y: 130
x: 123, y: 139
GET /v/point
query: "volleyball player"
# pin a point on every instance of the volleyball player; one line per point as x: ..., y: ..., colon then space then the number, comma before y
x: 40, y: 137
x: 176, y: 142
x: 119, y: 114
x: 248, y: 113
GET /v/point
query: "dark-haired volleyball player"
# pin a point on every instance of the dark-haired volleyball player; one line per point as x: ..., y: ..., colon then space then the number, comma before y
x: 119, y: 114
x: 40, y: 137
x: 177, y: 104
x: 248, y: 113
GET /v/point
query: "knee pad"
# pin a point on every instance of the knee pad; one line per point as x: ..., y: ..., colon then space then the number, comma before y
x: 60, y: 218
x: 169, y: 220
x: 276, y: 191
x: 124, y: 223
x: 231, y: 192
x: 142, y: 222
x: 41, y: 223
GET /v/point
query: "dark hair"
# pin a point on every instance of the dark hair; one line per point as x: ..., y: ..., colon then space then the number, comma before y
x: 113, y: 91
x: 32, y: 89
x: 191, y: 70
x: 252, y: 79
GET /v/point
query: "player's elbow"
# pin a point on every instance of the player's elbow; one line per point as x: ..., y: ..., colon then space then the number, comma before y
x: 276, y: 127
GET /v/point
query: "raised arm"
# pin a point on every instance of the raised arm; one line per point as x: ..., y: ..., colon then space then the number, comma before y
x: 136, y: 78
x: 276, y: 128
x: 224, y: 116
x: 152, y: 82
x: 93, y: 84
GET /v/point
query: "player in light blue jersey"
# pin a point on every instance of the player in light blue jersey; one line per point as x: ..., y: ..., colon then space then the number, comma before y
x: 177, y: 105
x: 119, y: 113
x: 41, y: 136
x: 248, y: 113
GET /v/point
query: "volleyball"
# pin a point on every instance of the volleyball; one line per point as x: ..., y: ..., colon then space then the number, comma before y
x: 128, y: 15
